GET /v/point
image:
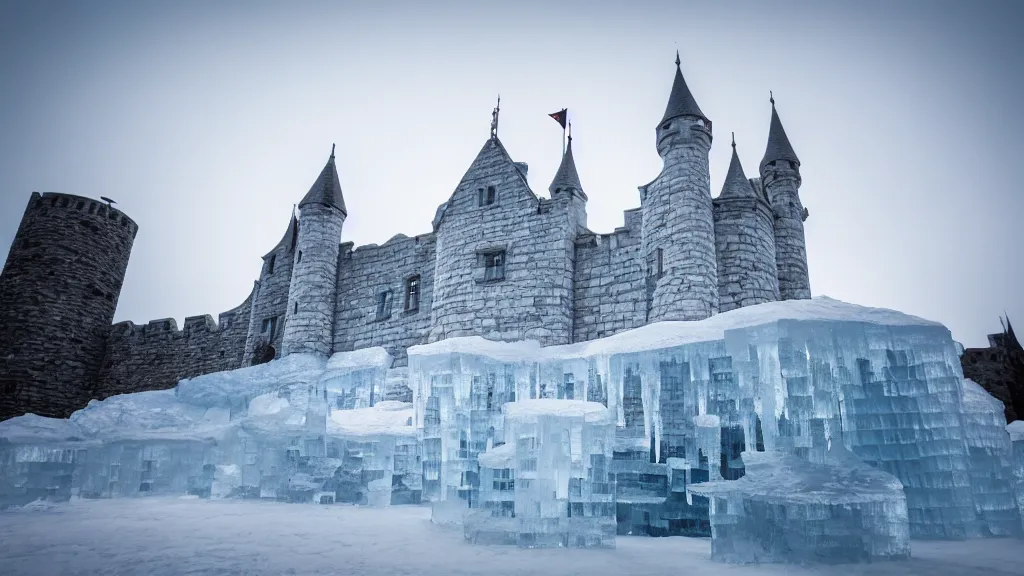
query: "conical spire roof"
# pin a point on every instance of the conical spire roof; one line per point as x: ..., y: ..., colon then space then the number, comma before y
x: 681, y: 101
x: 327, y: 189
x: 566, y: 177
x: 288, y: 240
x: 736, y: 183
x: 779, y: 147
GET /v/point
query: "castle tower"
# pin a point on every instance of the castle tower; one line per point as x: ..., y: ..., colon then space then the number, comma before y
x: 745, y: 242
x: 270, y: 300
x: 678, y: 225
x: 58, y: 292
x: 780, y: 176
x: 566, y: 184
x: 309, y: 316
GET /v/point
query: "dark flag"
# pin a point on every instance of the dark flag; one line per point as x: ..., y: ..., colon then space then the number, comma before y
x: 561, y: 116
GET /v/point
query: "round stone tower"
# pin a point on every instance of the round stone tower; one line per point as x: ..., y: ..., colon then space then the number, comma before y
x: 309, y: 316
x: 58, y: 292
x: 678, y: 225
x: 745, y: 242
x: 780, y: 175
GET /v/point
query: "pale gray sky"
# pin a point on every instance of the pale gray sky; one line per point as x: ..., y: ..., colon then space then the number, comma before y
x: 207, y: 121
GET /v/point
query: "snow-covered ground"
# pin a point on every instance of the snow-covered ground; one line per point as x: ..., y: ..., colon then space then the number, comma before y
x: 188, y: 536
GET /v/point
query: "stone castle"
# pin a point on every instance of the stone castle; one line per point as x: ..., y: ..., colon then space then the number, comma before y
x: 501, y: 262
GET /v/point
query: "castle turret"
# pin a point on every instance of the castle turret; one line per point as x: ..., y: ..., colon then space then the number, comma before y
x: 270, y: 299
x: 745, y: 242
x: 309, y: 317
x: 780, y: 176
x: 58, y: 292
x: 678, y: 225
x: 566, y: 184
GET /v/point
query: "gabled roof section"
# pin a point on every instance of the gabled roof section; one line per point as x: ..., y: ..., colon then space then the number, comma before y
x: 288, y: 240
x: 493, y: 153
x: 779, y: 147
x: 327, y: 188
x: 566, y: 178
x: 736, y: 183
x: 681, y: 101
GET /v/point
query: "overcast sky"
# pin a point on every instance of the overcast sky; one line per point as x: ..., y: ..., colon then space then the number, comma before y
x: 206, y: 121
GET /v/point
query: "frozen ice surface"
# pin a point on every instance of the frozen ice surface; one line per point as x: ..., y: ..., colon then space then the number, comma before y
x: 171, y: 536
x: 1016, y: 431
x: 991, y: 465
x: 549, y: 484
x: 356, y: 379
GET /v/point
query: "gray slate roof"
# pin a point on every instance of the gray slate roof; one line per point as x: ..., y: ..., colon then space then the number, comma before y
x: 326, y: 190
x: 566, y: 177
x: 779, y: 147
x: 681, y: 101
x: 736, y: 183
x: 286, y: 240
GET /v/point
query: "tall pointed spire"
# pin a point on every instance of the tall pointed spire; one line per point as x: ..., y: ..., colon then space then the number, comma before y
x: 779, y: 147
x: 327, y: 189
x: 736, y: 183
x: 566, y: 178
x: 681, y: 101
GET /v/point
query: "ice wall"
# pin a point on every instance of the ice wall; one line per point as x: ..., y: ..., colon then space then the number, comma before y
x: 890, y: 382
x: 549, y: 484
x: 261, y: 431
x: 991, y: 463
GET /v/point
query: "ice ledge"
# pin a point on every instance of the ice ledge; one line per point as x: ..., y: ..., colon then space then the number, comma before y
x: 661, y: 335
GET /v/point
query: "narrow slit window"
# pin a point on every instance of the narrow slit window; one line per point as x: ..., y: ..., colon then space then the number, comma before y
x: 384, y: 305
x: 412, y: 294
x: 270, y: 264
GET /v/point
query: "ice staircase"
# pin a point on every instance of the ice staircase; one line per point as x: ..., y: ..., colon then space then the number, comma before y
x: 396, y: 385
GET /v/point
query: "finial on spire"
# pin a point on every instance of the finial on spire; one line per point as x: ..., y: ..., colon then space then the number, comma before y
x: 733, y: 140
x: 332, y: 150
x: 771, y: 98
x: 678, y: 61
x: 494, y: 119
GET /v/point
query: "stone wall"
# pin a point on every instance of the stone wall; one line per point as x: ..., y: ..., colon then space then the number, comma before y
x: 367, y: 272
x: 270, y: 296
x: 155, y: 356
x: 609, y: 282
x: 58, y: 292
x: 745, y: 244
x: 533, y: 300
x: 678, y: 226
x: 999, y: 369
x: 781, y: 182
x: 309, y: 326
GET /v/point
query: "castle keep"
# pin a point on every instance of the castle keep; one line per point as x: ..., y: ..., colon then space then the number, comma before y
x: 501, y: 262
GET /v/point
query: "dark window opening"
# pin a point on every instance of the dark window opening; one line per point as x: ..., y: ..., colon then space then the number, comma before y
x: 295, y: 309
x: 269, y: 327
x: 263, y: 353
x: 80, y: 205
x: 494, y: 265
x: 412, y: 294
x: 666, y: 126
x: 10, y: 387
x: 486, y: 196
x: 270, y: 264
x: 384, y: 305
x: 64, y: 203
x: 92, y: 207
x: 299, y: 257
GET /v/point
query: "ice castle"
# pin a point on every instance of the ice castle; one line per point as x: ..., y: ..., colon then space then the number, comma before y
x: 795, y: 431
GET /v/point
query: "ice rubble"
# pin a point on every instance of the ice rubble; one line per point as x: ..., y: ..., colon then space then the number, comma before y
x: 697, y: 416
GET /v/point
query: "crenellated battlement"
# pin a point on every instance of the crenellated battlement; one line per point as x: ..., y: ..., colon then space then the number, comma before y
x: 97, y: 212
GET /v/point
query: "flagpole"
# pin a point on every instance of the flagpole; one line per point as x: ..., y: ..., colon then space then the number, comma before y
x: 563, y: 132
